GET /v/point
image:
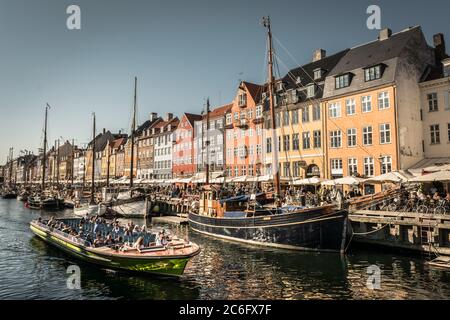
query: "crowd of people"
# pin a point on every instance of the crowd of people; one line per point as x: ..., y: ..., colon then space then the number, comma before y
x: 98, y: 232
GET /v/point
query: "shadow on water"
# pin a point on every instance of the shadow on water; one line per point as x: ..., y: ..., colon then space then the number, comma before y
x: 107, y: 283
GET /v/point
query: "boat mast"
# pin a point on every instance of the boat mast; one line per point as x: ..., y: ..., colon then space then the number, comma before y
x: 73, y: 160
x: 133, y: 128
x: 207, y: 142
x: 45, y: 146
x: 93, y: 162
x: 275, y: 169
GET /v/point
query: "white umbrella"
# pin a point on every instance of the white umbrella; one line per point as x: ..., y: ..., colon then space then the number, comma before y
x: 394, y: 176
x: 309, y: 181
x: 343, y: 181
x: 442, y: 176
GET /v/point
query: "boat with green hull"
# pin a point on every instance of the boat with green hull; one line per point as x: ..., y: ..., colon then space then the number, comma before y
x: 169, y: 260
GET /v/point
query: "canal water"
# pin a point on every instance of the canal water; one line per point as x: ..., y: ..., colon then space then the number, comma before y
x: 31, y: 269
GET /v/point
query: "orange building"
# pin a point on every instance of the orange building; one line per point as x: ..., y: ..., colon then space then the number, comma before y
x: 244, y: 134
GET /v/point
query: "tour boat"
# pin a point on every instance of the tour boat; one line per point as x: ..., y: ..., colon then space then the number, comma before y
x: 169, y: 260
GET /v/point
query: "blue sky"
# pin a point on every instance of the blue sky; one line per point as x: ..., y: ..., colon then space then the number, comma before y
x: 181, y: 52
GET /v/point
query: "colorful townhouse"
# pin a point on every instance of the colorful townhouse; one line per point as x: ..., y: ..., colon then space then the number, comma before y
x: 145, y: 147
x: 373, y: 106
x: 215, y: 137
x: 299, y: 119
x: 183, y: 154
x: 163, y: 144
x: 435, y: 112
x: 244, y: 132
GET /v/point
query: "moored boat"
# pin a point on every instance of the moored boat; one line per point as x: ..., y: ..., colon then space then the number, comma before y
x: 168, y: 259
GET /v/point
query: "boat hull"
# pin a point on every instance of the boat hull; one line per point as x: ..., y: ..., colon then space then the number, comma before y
x: 312, y: 230
x: 136, y: 209
x: 171, y: 266
x: 90, y: 210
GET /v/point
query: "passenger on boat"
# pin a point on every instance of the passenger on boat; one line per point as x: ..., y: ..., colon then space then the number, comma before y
x: 109, y: 240
x: 50, y: 222
x: 98, y: 242
x: 139, y: 244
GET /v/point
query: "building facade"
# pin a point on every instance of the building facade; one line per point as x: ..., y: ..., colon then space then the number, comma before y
x: 163, y: 143
x: 183, y: 155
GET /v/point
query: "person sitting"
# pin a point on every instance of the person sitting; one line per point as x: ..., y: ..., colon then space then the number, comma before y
x: 139, y: 244
x: 436, y: 196
x: 447, y: 197
x: 109, y: 240
x: 98, y: 242
x: 50, y: 222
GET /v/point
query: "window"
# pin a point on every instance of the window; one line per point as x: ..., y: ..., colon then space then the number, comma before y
x: 342, y: 81
x: 296, y: 169
x: 352, y: 166
x: 294, y: 116
x: 286, y: 143
x: 351, y: 137
x: 306, y: 137
x: 432, y: 102
x: 336, y: 139
x: 317, y: 74
x: 286, y: 118
x: 236, y: 116
x: 316, y: 112
x: 383, y: 100
x: 386, y: 164
x: 367, y: 135
x: 259, y: 111
x: 336, y: 167
x: 385, y: 133
x: 448, y: 129
x: 317, y: 139
x: 372, y: 73
x: 269, y: 145
x: 350, y: 106
x: 277, y: 120
x: 435, y: 134
x: 242, y: 99
x: 335, y: 110
x: 292, y: 96
x: 368, y: 166
x: 295, y: 142
x: 366, y: 103
x: 250, y: 113
x: 258, y: 130
x: 310, y: 91
x: 287, y: 169
x: 258, y: 149
x: 305, y: 114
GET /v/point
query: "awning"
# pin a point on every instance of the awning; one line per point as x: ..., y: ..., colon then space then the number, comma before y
x: 310, y: 181
x: 393, y: 177
x: 351, y: 181
x: 430, y: 165
x: 441, y: 176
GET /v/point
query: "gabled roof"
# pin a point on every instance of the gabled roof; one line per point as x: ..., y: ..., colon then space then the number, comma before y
x: 255, y: 90
x: 162, y: 124
x: 376, y: 51
x: 119, y: 142
x: 220, y: 111
x: 103, y: 139
x: 147, y: 124
x: 192, y: 118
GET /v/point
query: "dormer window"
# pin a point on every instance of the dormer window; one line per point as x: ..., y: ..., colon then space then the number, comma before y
x: 280, y: 86
x: 292, y: 96
x: 317, y: 74
x: 342, y: 81
x: 310, y: 91
x: 373, y: 73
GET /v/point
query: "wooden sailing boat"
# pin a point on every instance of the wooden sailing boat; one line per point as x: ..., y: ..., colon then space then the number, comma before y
x: 91, y: 207
x: 245, y: 219
x: 132, y: 203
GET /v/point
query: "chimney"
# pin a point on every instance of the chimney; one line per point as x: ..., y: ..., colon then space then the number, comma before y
x: 169, y: 116
x: 153, y: 116
x: 120, y: 132
x: 319, y: 54
x: 385, y: 34
x: 439, y: 45
x: 104, y: 130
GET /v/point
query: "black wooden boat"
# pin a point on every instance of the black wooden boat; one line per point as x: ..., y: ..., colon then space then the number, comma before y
x: 310, y: 229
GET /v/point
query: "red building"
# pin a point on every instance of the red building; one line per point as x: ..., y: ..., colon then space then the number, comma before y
x: 183, y: 147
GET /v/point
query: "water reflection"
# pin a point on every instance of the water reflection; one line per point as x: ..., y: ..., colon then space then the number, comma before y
x: 32, y: 269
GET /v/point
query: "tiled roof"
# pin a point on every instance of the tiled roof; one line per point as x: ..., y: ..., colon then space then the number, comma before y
x: 255, y: 90
x: 376, y: 51
x: 192, y: 117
